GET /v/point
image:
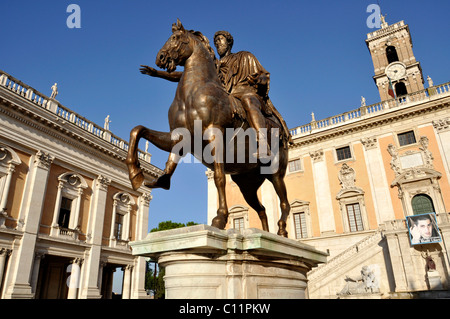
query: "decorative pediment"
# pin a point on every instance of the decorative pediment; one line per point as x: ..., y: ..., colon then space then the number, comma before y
x: 8, y: 156
x: 123, y: 198
x: 71, y: 179
x: 349, y: 192
x: 238, y: 209
x: 416, y: 174
x: 299, y: 203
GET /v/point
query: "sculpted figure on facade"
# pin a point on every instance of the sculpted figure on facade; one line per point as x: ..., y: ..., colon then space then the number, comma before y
x: 395, y: 161
x: 347, y: 176
x: 366, y: 282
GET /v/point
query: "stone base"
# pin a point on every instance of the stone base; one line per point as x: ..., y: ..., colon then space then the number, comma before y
x: 434, y: 280
x: 203, y: 262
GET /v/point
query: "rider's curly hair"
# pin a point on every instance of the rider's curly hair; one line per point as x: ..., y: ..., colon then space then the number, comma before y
x: 227, y: 36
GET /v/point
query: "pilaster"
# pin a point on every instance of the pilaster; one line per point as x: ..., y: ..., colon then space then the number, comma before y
x: 91, y: 289
x: 30, y: 213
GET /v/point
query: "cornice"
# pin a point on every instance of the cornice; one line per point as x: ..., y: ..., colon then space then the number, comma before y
x: 380, y: 33
x: 373, y: 122
x: 18, y: 108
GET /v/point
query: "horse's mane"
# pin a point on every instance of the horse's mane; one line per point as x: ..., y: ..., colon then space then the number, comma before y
x: 204, y: 40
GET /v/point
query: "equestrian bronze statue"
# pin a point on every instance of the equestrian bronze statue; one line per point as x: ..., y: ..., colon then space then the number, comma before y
x: 222, y: 115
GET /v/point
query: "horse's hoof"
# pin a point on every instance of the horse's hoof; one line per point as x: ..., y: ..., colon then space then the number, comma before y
x: 282, y: 229
x: 219, y: 222
x: 164, y: 182
x: 161, y: 182
x: 283, y: 233
x: 137, y: 180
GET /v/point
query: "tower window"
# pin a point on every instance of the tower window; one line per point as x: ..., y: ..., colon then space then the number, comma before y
x: 391, y: 54
x: 343, y: 153
x: 400, y: 89
x: 406, y: 138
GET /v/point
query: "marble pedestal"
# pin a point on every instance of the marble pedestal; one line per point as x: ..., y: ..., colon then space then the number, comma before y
x: 203, y: 262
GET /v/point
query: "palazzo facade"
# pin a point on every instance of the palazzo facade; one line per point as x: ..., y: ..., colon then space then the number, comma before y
x: 67, y: 209
x: 354, y: 177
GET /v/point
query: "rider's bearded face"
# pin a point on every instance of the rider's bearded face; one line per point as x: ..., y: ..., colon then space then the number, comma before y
x: 221, y: 44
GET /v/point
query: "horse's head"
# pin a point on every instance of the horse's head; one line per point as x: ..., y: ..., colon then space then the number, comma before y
x: 176, y: 50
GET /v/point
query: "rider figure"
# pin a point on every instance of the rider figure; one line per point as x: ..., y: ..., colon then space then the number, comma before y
x: 246, y: 79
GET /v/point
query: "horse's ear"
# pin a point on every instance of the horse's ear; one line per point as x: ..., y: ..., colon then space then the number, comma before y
x: 177, y: 26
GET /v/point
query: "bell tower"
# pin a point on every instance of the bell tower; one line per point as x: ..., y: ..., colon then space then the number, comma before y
x: 397, y: 72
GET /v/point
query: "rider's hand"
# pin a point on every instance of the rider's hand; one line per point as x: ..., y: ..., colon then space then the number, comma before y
x: 145, y: 69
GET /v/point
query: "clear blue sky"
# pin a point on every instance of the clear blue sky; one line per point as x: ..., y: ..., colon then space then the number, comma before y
x: 314, y: 50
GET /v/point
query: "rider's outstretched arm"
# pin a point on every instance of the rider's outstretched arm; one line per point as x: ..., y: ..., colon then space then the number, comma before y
x: 173, y: 76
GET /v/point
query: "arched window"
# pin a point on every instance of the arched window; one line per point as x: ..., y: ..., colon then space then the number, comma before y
x: 400, y: 89
x: 391, y: 54
x: 422, y: 204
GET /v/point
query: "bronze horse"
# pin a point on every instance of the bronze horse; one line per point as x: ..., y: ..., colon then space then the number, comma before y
x: 201, y: 98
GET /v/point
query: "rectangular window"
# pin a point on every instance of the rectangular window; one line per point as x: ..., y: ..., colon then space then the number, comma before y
x: 64, y: 212
x: 300, y: 225
x: 354, y: 217
x: 294, y: 165
x: 406, y: 138
x: 118, y: 229
x: 238, y: 223
x: 343, y: 153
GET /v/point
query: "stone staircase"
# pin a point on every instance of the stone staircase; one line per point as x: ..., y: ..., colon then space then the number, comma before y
x: 327, y: 280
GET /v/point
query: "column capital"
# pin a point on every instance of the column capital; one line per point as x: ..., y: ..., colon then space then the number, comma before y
x: 103, y: 182
x: 43, y: 160
x: 5, y: 252
x: 146, y: 198
x: 369, y: 142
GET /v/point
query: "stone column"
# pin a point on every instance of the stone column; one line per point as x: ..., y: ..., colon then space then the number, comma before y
x: 23, y: 256
x: 109, y: 283
x: 3, y: 254
x: 126, y: 291
x: 37, y: 264
x: 138, y: 278
x: 96, y: 220
x: 74, y: 279
x: 4, y: 198
x: 212, y: 196
x: 54, y: 231
x: 100, y: 275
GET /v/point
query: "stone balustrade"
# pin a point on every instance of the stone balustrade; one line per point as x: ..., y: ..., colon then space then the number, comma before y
x: 376, y: 109
x: 63, y: 113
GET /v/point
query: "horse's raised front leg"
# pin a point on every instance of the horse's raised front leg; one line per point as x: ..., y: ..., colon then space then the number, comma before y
x: 161, y: 140
x: 164, y: 180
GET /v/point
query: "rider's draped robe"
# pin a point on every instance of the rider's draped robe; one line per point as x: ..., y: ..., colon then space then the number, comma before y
x: 239, y: 72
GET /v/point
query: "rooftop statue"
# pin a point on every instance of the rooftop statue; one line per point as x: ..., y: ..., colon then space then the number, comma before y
x: 222, y: 115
